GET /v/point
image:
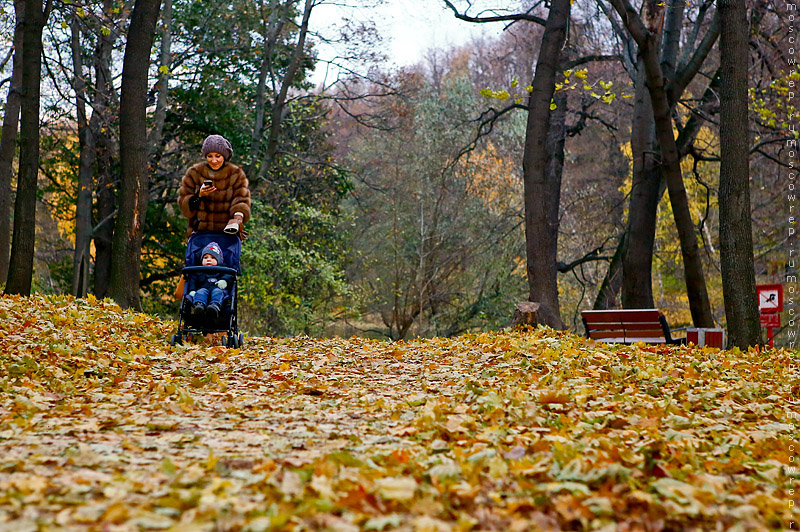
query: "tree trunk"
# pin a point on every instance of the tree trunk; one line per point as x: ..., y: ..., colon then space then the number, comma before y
x: 637, y: 263
x: 699, y: 304
x: 103, y: 232
x: 83, y: 208
x: 540, y: 227
x: 735, y: 229
x: 648, y: 183
x: 612, y: 282
x: 8, y: 141
x: 554, y: 168
x: 20, y: 272
x: 670, y: 45
x: 695, y: 280
x: 129, y: 224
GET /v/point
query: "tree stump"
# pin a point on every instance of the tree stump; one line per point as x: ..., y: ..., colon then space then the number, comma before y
x: 526, y: 313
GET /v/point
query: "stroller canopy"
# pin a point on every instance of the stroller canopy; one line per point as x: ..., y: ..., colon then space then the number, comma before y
x: 230, y: 244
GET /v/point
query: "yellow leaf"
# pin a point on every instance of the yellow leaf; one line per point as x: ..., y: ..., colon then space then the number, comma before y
x: 396, y: 489
x: 498, y: 467
x: 211, y: 461
x: 167, y: 467
x: 322, y: 485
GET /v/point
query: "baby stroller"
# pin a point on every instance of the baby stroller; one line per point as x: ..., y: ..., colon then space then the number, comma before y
x: 227, y: 320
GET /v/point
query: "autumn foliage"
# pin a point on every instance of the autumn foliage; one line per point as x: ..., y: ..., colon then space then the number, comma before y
x: 104, y: 426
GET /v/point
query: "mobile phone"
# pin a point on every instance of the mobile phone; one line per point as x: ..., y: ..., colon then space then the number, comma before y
x: 208, y: 183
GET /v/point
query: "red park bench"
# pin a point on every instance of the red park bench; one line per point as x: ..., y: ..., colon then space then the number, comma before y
x: 628, y: 326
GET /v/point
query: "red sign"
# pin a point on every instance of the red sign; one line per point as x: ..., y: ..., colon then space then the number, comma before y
x: 770, y: 298
x: 770, y: 320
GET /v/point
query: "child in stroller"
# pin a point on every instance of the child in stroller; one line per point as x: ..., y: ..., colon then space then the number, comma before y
x: 208, y: 291
x: 210, y: 297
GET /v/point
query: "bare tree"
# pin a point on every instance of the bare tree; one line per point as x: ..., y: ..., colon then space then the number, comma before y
x: 272, y: 31
x: 133, y: 199
x: 735, y: 225
x: 8, y: 140
x: 541, y: 194
x: 86, y: 138
x: 106, y: 202
x: 541, y: 162
x: 20, y: 272
x: 648, y: 45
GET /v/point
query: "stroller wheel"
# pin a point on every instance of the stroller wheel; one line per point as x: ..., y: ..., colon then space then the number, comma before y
x: 230, y: 341
x: 241, y: 340
x: 176, y: 340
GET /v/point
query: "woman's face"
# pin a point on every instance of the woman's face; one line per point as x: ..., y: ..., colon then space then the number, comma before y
x: 215, y: 160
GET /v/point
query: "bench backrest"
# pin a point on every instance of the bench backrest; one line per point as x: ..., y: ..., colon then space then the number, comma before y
x: 627, y: 326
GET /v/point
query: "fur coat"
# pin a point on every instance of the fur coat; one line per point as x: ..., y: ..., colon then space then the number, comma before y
x: 212, y: 212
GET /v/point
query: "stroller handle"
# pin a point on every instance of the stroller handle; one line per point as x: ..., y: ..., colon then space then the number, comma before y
x: 209, y: 269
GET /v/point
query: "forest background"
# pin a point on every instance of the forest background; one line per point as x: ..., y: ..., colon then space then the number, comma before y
x: 389, y: 201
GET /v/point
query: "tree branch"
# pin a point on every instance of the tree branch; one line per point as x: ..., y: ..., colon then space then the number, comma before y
x: 629, y: 57
x: 486, y: 125
x: 6, y: 59
x: 498, y: 18
x: 592, y: 256
x: 590, y: 59
x: 688, y: 71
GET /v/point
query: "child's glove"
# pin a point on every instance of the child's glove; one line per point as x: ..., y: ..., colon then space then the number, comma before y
x: 192, y: 293
x: 222, y: 284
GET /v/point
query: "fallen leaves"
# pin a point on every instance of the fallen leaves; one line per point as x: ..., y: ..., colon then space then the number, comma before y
x: 103, y: 426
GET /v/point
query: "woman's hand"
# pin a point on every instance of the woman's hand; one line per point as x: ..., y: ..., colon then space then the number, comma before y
x: 205, y: 190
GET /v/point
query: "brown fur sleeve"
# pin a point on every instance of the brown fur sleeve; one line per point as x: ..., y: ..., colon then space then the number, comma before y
x: 240, y: 202
x: 189, y: 186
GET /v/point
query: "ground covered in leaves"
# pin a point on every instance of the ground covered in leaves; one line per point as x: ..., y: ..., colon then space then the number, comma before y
x: 104, y: 426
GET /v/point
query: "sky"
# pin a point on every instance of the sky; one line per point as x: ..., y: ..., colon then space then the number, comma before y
x: 409, y: 28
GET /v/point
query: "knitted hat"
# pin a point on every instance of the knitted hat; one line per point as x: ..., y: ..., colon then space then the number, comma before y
x: 214, y: 250
x: 218, y: 144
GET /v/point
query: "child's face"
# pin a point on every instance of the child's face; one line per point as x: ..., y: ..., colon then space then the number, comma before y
x: 209, y: 260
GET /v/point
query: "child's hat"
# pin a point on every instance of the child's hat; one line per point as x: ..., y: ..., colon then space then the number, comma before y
x: 215, y: 251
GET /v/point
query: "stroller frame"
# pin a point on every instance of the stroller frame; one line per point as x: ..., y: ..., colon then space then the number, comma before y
x: 228, y: 319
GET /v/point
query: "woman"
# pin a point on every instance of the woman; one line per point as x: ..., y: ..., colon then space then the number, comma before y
x: 214, y: 194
